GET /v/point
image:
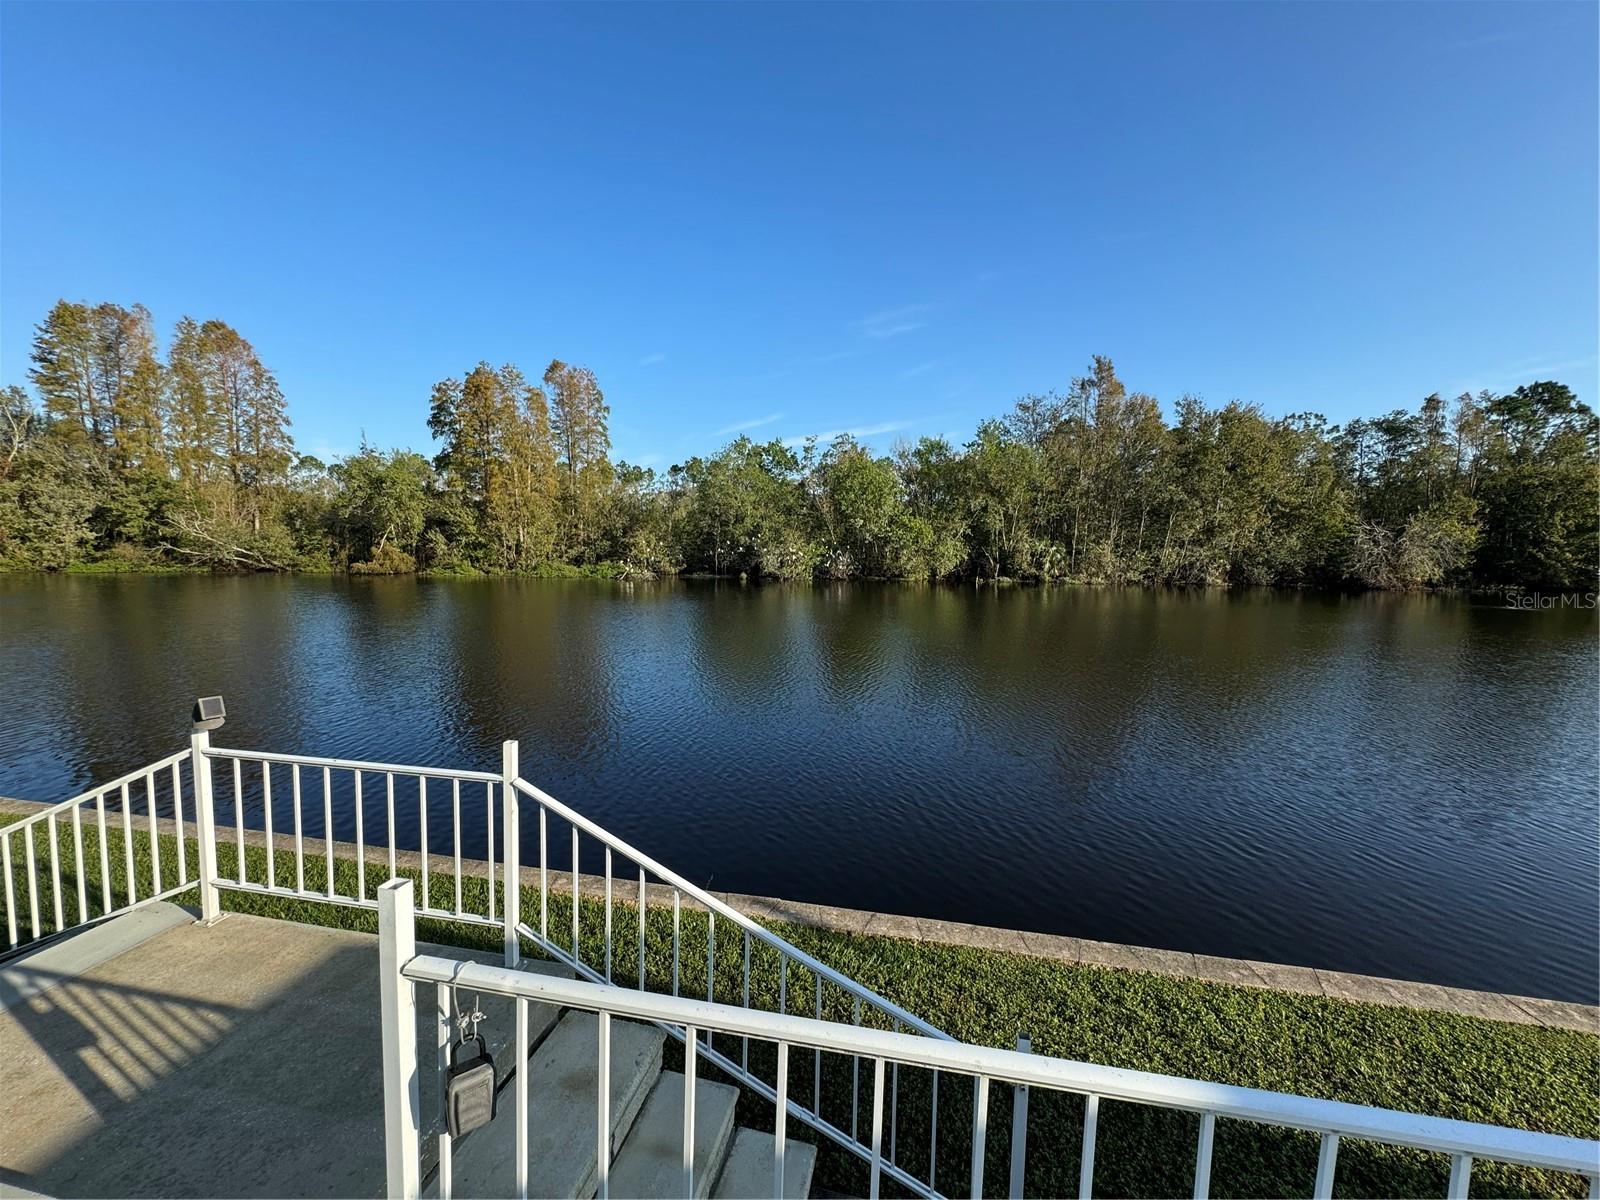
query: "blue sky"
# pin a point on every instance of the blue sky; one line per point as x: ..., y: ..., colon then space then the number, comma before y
x: 802, y: 219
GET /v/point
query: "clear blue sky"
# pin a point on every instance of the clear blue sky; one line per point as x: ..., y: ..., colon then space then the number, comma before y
x: 804, y: 219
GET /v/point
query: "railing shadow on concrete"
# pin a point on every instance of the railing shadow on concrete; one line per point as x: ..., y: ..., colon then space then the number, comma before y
x: 232, y: 1061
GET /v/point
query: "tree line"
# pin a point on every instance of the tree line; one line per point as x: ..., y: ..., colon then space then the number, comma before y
x: 125, y: 458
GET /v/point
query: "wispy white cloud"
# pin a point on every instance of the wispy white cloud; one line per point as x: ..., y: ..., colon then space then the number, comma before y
x: 823, y: 360
x: 741, y: 426
x: 1525, y: 371
x: 893, y: 322
x: 919, y: 369
x: 859, y: 431
x: 650, y: 360
x: 1492, y: 38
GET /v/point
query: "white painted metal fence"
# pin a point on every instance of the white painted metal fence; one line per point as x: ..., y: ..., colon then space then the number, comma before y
x: 1463, y: 1141
x: 367, y: 798
x: 105, y: 826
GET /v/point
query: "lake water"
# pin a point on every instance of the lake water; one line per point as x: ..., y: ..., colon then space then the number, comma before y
x: 1396, y: 785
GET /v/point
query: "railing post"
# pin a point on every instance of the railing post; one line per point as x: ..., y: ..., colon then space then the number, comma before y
x: 205, y: 823
x: 402, y: 1107
x: 511, y: 857
x: 1019, y: 1125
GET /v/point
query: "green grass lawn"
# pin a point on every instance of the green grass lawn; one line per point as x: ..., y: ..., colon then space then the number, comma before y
x: 1454, y: 1066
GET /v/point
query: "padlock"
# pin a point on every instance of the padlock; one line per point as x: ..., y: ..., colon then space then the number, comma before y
x: 469, y: 1089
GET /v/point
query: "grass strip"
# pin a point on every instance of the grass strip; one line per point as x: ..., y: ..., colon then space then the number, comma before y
x: 1429, y: 1062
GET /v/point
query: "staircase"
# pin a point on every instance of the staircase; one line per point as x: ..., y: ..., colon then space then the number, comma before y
x: 646, y: 1125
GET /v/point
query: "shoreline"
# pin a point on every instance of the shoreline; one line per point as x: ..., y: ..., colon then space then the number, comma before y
x: 614, y: 573
x: 1180, y: 964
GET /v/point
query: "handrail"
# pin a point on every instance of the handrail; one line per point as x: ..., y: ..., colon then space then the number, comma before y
x: 350, y: 764
x: 1415, y: 1130
x: 99, y: 789
x: 727, y: 911
x: 65, y: 865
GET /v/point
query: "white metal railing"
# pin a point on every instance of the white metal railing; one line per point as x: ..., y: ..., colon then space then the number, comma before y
x: 793, y: 963
x: 273, y: 792
x: 328, y: 802
x: 73, y: 837
x: 403, y: 970
x: 339, y: 789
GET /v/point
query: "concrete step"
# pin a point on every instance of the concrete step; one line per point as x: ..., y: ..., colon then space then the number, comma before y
x: 498, y: 1027
x: 562, y: 1111
x: 650, y: 1163
x: 83, y: 949
x: 748, y: 1171
x: 499, y: 1024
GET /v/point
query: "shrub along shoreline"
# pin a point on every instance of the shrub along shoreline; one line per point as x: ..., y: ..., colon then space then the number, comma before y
x: 1446, y: 1064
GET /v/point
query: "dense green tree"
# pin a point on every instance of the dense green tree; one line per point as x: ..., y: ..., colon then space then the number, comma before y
x: 499, y: 458
x: 380, y: 507
x: 129, y: 458
x: 580, y: 423
x: 1539, y: 489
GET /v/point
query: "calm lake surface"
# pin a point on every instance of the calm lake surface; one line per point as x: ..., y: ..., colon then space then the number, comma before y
x: 1403, y: 786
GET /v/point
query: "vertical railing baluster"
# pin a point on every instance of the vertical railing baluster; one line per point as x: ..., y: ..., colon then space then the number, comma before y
x: 744, y: 1060
x: 155, y: 837
x: 676, y: 912
x: 894, y: 1101
x: 608, y: 914
x: 1327, y: 1162
x: 520, y: 1075
x: 711, y: 966
x: 691, y: 1055
x: 55, y: 874
x: 327, y: 827
x: 641, y: 928
x: 11, y: 899
x: 544, y: 874
x: 238, y: 816
x: 361, y: 843
x: 30, y: 862
x: 266, y: 822
x: 1202, y: 1156
x: 1460, y: 1176
x: 77, y: 858
x: 299, y: 832
x: 488, y: 825
x: 389, y: 801
x: 511, y: 851
x: 177, y: 820
x: 933, y: 1135
x: 105, y: 853
x: 1019, y: 1126
x: 127, y: 846
x: 980, y: 1134
x: 816, y: 1060
x: 575, y: 894
x: 442, y: 1042
x: 239, y: 821
x: 422, y: 818
x: 1091, y: 1119
x: 603, y: 1104
x: 780, y: 1123
x: 877, y: 1129
x: 855, y: 1075
x: 455, y: 818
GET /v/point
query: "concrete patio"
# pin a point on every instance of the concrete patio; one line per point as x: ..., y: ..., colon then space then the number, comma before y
x: 155, y: 1057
